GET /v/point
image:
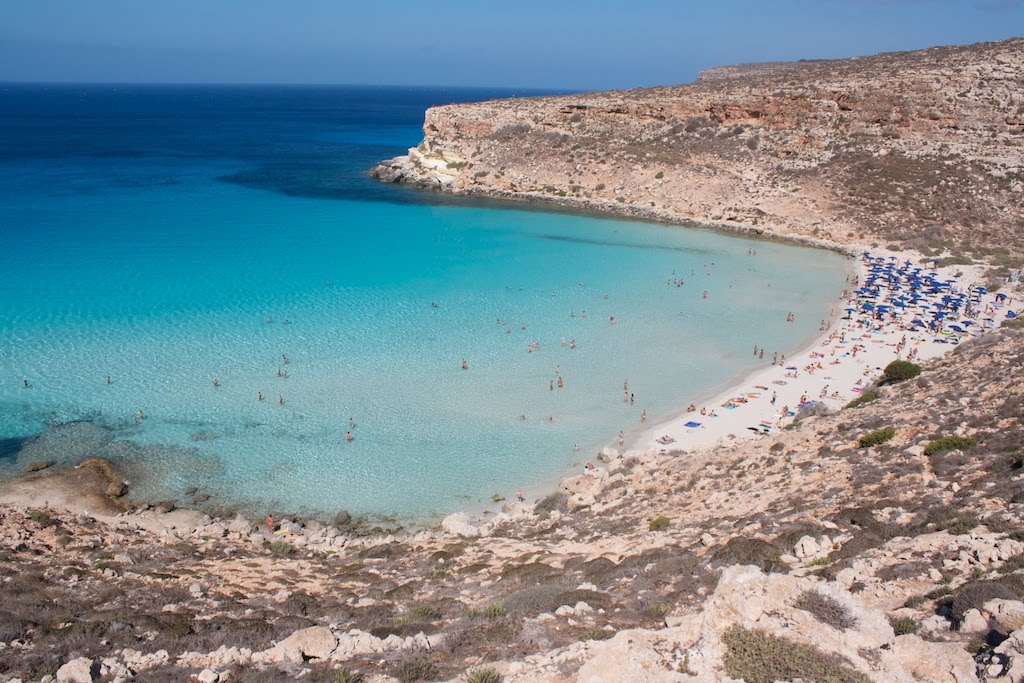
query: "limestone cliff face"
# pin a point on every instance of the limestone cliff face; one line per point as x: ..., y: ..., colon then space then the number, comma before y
x: 922, y: 147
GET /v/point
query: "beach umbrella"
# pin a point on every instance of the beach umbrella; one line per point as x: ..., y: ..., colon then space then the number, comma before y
x: 956, y: 327
x: 1011, y: 315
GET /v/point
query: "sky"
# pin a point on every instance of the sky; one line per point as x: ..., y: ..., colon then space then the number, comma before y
x: 559, y: 44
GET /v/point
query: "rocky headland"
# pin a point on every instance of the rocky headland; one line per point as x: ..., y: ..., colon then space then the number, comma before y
x: 880, y: 542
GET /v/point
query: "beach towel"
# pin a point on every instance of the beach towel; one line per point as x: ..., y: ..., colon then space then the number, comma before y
x: 691, y: 424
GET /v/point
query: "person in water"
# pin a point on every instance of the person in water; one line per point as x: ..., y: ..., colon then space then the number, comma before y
x: 465, y: 366
x: 348, y: 436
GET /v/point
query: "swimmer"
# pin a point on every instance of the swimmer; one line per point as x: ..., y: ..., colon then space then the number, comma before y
x: 465, y: 366
x: 280, y: 400
x: 705, y: 294
x: 560, y: 383
x: 433, y: 304
x: 519, y: 495
x: 584, y: 314
x: 142, y: 415
x: 351, y: 423
x: 558, y: 368
x: 25, y: 384
x: 259, y: 395
x: 348, y: 436
x: 576, y: 448
x: 108, y: 379
x: 284, y: 358
x: 572, y: 344
x: 216, y: 382
x: 643, y: 416
x: 563, y: 341
x: 551, y: 385
x: 611, y: 319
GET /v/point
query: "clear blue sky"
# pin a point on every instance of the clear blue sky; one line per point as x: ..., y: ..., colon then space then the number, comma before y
x: 571, y: 44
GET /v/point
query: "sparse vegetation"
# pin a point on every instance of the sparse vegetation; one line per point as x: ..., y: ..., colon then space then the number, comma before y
x: 659, y: 523
x: 826, y: 609
x: 877, y: 437
x: 866, y: 396
x: 417, y: 669
x: 902, y: 626
x: 346, y: 676
x: 41, y: 517
x: 484, y: 675
x: 758, y: 657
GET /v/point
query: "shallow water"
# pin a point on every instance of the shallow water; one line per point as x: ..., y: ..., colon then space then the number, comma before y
x: 165, y: 237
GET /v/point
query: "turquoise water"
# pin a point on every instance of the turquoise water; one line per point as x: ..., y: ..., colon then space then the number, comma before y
x: 181, y: 258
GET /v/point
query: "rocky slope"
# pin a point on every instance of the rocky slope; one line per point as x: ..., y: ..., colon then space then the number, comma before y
x: 924, y: 149
x: 801, y: 555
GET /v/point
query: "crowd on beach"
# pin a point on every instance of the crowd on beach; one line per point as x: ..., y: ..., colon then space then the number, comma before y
x: 893, y: 310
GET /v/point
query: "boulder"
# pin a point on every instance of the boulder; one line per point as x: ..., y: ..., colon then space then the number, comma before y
x: 925, y: 661
x: 806, y: 547
x: 1007, y: 615
x: 458, y: 525
x: 628, y: 656
x: 36, y: 466
x: 79, y: 670
x: 315, y: 642
x: 342, y: 519
x: 973, y: 621
x: 208, y: 676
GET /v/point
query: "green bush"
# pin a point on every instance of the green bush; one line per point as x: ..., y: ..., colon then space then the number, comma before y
x: 949, y: 443
x: 902, y: 626
x: 41, y: 517
x: 879, y: 436
x: 900, y: 370
x: 865, y: 397
x: 484, y: 675
x: 658, y: 523
x: 758, y: 657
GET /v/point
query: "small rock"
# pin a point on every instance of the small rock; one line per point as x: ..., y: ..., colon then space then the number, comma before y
x: 196, y: 590
x: 36, y: 466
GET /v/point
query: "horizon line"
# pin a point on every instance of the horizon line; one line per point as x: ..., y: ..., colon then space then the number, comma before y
x: 5, y: 83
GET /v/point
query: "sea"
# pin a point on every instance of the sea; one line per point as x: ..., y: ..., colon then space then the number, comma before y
x: 202, y: 284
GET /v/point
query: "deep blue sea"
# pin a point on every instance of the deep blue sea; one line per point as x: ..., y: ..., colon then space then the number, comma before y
x: 174, y: 238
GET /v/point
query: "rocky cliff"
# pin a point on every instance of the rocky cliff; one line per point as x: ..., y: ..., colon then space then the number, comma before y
x: 924, y: 149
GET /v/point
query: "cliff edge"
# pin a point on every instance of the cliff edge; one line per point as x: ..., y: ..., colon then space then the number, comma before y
x: 923, y: 149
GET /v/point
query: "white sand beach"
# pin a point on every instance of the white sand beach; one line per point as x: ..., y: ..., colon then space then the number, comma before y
x: 875, y: 325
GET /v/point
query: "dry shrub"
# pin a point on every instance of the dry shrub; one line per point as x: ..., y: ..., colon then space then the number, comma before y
x: 758, y: 657
x: 826, y: 609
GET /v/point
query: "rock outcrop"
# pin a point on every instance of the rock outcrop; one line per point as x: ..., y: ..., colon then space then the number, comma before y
x: 920, y: 148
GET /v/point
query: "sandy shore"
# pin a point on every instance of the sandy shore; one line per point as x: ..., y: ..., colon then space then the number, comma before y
x: 833, y: 369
